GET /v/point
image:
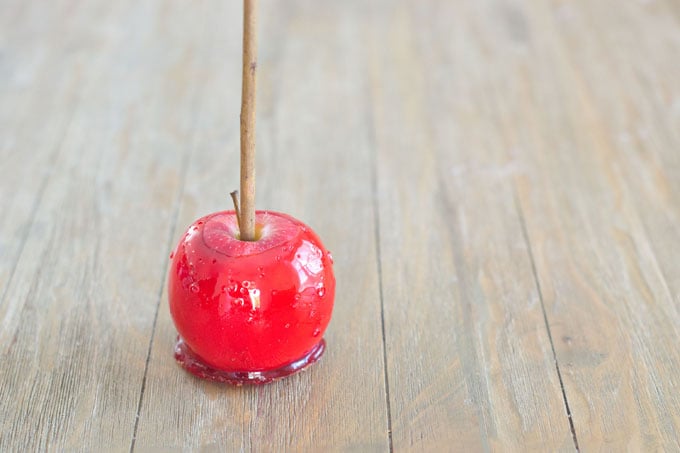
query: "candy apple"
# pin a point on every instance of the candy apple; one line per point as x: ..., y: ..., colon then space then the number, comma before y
x: 251, y: 292
x: 250, y: 311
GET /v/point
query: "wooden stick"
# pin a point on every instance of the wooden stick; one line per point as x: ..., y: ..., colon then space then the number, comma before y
x: 248, y: 89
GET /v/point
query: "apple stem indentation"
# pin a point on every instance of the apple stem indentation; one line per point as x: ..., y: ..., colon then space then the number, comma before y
x: 248, y: 91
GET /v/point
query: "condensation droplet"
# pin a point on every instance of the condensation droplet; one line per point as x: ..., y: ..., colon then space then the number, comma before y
x: 238, y: 301
x: 194, y: 287
x: 297, y: 297
x: 287, y: 326
x: 246, y: 284
x: 316, y: 332
x: 321, y: 291
x: 243, y: 291
x: 330, y: 257
x: 224, y: 289
x: 278, y: 258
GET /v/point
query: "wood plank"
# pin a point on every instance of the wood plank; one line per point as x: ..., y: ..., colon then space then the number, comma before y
x: 469, y: 358
x: 510, y: 171
x: 314, y: 163
x: 77, y: 317
x: 601, y: 201
x: 37, y: 88
x: 636, y: 121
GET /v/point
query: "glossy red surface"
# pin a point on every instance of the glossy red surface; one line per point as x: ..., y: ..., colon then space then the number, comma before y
x: 243, y: 307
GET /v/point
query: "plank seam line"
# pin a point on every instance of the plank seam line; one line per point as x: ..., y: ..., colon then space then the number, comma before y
x: 54, y: 157
x: 158, y: 303
x: 525, y: 234
x: 376, y: 228
x: 175, y: 217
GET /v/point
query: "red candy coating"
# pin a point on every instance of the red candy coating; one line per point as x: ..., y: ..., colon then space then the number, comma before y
x: 250, y: 307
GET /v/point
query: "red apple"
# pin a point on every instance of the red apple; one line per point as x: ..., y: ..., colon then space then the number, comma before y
x: 250, y: 311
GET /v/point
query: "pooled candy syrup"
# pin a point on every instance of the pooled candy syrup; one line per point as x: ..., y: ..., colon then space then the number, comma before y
x: 196, y: 366
x: 250, y: 312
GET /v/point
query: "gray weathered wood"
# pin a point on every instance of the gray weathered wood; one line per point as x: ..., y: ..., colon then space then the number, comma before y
x: 469, y: 358
x: 499, y: 182
x: 37, y: 87
x: 602, y: 212
x: 77, y: 314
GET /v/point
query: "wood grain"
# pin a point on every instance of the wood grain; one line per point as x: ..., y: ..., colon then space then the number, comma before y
x: 602, y: 215
x: 31, y: 96
x: 469, y: 358
x: 78, y: 311
x: 499, y: 182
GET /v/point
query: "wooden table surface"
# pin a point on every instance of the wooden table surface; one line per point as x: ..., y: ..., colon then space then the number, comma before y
x: 498, y: 181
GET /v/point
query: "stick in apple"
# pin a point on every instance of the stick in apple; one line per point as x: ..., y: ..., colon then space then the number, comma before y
x: 248, y: 89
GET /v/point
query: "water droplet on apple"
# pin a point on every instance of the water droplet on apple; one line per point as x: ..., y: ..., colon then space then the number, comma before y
x: 250, y: 319
x: 287, y: 326
x: 297, y: 297
x: 330, y: 257
x: 243, y: 291
x: 224, y: 289
x: 246, y: 284
x: 274, y: 292
x: 238, y: 301
x: 194, y: 287
x: 321, y: 291
x: 316, y: 332
x: 278, y: 258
